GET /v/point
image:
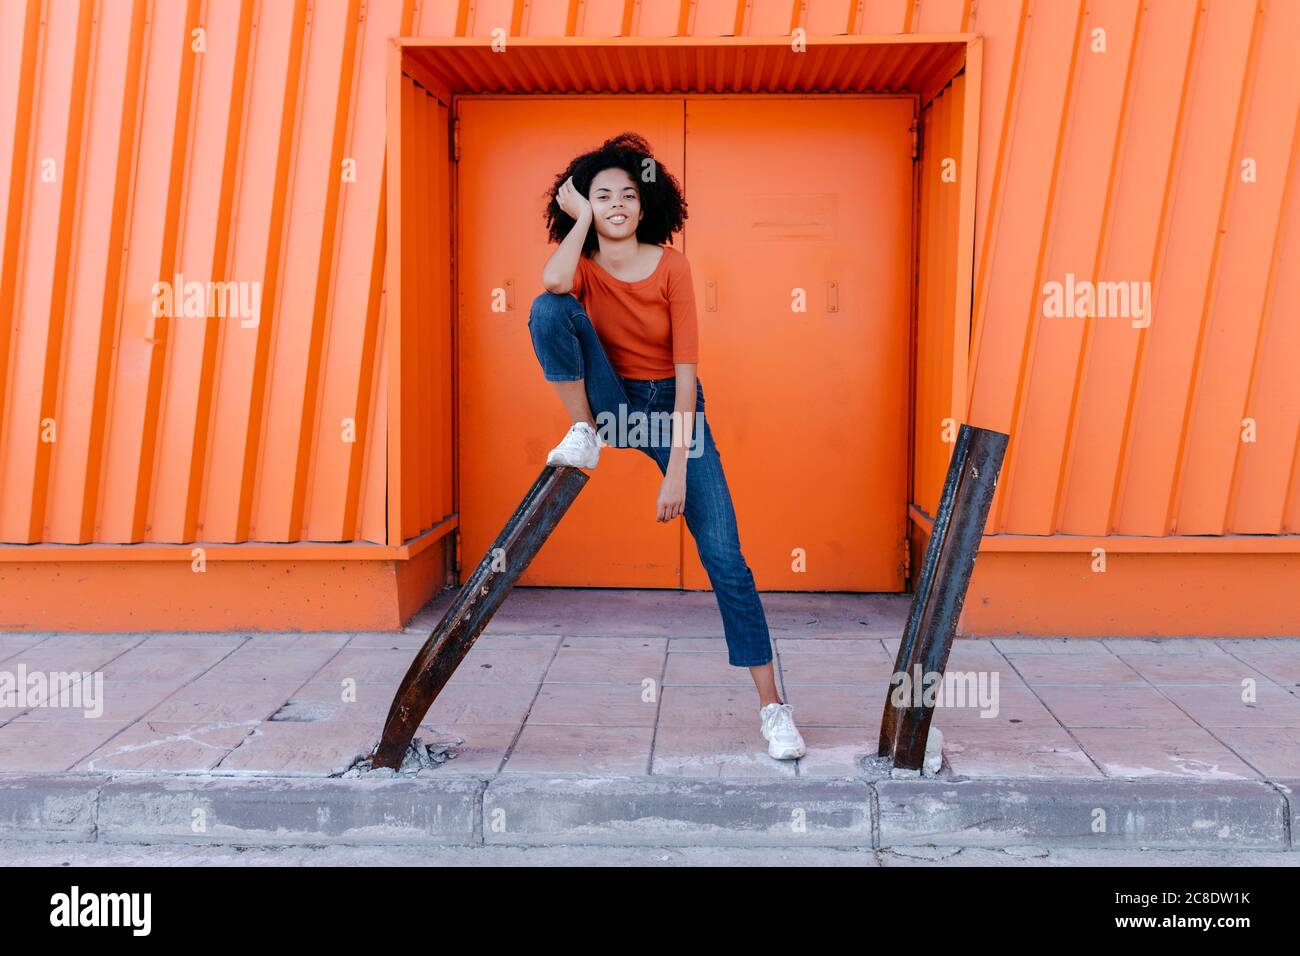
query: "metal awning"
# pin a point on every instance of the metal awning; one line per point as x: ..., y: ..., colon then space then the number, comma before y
x: 840, y: 64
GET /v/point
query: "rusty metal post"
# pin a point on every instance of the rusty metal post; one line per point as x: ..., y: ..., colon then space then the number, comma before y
x: 543, y: 506
x: 941, y: 589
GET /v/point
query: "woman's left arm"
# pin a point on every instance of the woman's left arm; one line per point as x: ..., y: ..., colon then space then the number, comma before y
x: 672, y: 493
x: 686, y: 357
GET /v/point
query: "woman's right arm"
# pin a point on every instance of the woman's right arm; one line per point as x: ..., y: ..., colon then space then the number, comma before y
x: 557, y: 274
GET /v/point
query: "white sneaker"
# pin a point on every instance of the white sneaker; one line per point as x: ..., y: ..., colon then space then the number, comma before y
x: 579, y: 448
x: 783, y: 739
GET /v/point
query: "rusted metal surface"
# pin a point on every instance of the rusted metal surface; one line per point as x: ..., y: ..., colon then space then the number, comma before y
x: 940, y: 592
x: 543, y: 506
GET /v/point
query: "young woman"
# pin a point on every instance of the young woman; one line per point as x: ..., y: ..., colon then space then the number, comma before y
x: 623, y: 347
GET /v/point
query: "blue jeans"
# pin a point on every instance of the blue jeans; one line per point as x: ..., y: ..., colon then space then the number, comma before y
x: 569, y: 349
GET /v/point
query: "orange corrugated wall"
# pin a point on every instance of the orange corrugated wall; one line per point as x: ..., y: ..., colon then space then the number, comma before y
x: 224, y: 165
x: 940, y: 383
x: 426, y: 422
x: 1123, y: 164
x: 1134, y: 173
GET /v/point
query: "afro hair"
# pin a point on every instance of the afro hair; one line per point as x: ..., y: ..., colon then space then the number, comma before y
x: 662, y: 201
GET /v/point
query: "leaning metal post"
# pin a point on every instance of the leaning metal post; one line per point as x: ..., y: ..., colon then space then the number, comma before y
x: 941, y: 590
x: 545, y: 504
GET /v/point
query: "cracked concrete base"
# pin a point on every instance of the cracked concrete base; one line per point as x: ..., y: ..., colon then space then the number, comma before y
x: 419, y: 756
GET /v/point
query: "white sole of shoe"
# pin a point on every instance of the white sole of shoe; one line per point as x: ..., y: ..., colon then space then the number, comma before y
x: 788, y: 752
x: 570, y: 464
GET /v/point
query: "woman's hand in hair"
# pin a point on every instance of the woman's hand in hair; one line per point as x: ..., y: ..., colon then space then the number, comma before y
x: 561, y: 267
x: 572, y: 202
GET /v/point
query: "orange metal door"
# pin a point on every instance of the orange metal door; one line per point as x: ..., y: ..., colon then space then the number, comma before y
x: 799, y: 242
x: 808, y: 407
x: 511, y: 149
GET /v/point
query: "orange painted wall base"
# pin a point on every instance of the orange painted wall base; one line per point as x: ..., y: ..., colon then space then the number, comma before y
x: 1037, y: 593
x: 262, y: 596
x: 1141, y: 594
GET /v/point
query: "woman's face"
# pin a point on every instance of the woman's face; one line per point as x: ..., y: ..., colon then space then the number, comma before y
x: 615, y: 204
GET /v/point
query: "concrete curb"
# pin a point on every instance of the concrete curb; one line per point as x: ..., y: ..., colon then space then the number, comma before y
x: 291, y: 811
x: 656, y: 812
x: 1161, y: 814
x: 56, y: 807
x: 535, y: 810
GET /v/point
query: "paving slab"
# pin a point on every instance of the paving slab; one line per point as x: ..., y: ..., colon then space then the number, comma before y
x: 1194, y: 754
x: 255, y: 665
x: 1230, y: 705
x: 1273, y: 751
x: 53, y: 746
x: 837, y: 751
x: 150, y: 662
x: 608, y: 705
x: 979, y: 752
x: 1051, y: 645
x: 593, y: 660
x: 214, y: 701
x: 1183, y: 668
x: 150, y: 746
x: 593, y: 751
x: 869, y: 668
x: 720, y: 752
x: 483, y: 749
x: 693, y: 669
x: 1280, y: 667
x: 108, y: 699
x: 307, y: 749
x: 1094, y: 671
x: 204, y: 639
x: 708, y: 706
x: 12, y: 644
x: 1137, y: 708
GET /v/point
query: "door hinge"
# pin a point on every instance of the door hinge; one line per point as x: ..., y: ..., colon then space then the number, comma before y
x: 916, y: 138
x: 907, y: 560
x: 455, y: 139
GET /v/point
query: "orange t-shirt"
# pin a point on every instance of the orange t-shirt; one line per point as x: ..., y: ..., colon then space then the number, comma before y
x: 648, y: 326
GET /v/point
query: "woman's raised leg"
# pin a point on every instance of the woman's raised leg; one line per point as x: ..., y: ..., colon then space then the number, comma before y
x: 572, y: 358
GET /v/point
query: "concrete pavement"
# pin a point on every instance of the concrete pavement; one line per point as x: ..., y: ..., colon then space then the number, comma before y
x: 612, y: 717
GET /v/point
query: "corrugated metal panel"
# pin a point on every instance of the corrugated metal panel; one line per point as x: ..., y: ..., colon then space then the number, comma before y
x: 1123, y: 165
x: 939, y: 381
x: 1126, y: 166
x: 425, y: 419
x: 223, y: 164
